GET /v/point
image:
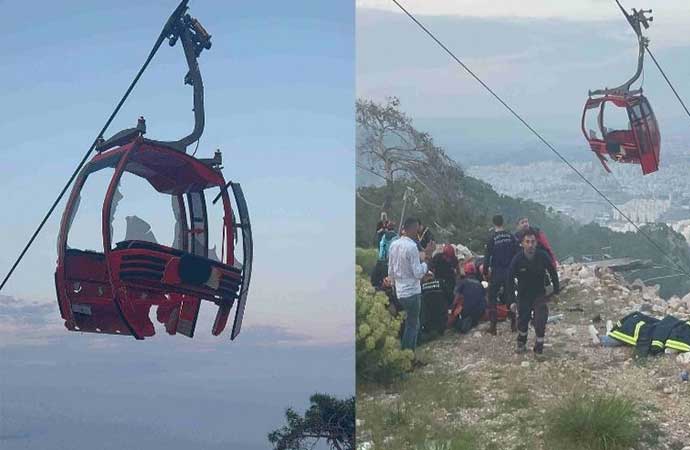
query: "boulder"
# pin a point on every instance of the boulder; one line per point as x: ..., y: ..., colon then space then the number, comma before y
x: 637, y: 285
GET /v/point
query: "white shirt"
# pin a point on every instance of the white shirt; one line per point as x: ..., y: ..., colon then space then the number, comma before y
x: 405, y: 268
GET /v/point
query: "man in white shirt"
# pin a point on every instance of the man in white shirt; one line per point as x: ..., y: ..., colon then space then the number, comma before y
x: 406, y: 267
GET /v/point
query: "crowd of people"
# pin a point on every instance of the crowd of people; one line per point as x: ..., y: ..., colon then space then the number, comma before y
x: 512, y: 281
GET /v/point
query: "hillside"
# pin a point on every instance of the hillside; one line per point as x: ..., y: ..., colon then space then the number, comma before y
x: 468, y: 221
x: 476, y: 393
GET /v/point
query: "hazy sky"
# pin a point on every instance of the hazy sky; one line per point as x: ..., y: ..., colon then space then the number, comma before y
x: 573, y: 10
x: 279, y: 82
x: 542, y: 57
x: 279, y: 85
x: 63, y: 390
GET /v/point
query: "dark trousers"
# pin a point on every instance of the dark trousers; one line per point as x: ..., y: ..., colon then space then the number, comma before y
x: 412, y: 306
x: 498, y: 282
x: 527, y: 307
x: 433, y: 314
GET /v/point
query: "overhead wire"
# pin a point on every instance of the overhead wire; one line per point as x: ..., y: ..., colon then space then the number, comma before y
x: 538, y: 135
x: 649, y: 52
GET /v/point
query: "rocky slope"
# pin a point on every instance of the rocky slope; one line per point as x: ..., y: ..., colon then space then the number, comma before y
x: 514, y: 392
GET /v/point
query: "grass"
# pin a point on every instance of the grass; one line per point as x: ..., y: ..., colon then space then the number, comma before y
x: 518, y: 398
x: 587, y: 422
x: 447, y: 391
x: 464, y: 440
x: 421, y: 414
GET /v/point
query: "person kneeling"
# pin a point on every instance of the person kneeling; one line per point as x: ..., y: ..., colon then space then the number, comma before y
x: 469, y: 302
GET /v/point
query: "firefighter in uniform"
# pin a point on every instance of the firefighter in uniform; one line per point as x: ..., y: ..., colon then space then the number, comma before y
x: 530, y: 266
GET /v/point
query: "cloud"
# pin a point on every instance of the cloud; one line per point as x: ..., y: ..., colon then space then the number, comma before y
x: 28, y: 322
x: 669, y: 28
x: 580, y: 10
x: 31, y: 323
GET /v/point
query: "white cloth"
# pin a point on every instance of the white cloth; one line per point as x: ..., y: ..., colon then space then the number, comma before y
x: 405, y: 268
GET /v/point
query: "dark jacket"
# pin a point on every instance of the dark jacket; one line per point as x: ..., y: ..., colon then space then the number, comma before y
x: 651, y: 335
x: 663, y: 331
x: 444, y: 267
x: 474, y: 297
x: 542, y: 243
x: 635, y: 329
x: 501, y: 247
x: 679, y: 337
x: 530, y: 276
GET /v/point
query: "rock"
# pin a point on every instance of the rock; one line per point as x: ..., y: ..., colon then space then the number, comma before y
x: 637, y: 285
x: 683, y: 358
x: 686, y: 300
x: 645, y: 307
x: 674, y: 302
x: 476, y: 334
x: 585, y: 273
x: 589, y: 282
x: 572, y: 331
x: 668, y: 390
x: 365, y: 446
x: 599, y: 302
x: 524, y: 364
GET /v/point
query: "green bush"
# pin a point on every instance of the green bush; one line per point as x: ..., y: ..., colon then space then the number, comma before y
x: 587, y: 422
x: 379, y: 356
x: 366, y: 259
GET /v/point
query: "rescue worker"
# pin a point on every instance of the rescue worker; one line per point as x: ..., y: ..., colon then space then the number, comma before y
x: 444, y: 266
x: 542, y: 241
x: 469, y: 302
x: 433, y: 314
x: 530, y: 266
x: 501, y: 247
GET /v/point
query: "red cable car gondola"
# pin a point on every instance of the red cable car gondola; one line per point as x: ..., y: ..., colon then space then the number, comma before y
x: 639, y: 142
x: 113, y: 291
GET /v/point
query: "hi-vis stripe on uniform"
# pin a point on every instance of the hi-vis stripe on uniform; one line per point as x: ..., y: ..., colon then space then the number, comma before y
x: 632, y: 340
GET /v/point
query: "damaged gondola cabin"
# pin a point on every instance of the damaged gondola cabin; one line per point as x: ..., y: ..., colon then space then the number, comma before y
x: 112, y: 290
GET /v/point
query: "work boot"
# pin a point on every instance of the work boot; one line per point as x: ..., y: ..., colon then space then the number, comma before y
x: 521, y: 347
x: 492, y: 328
x: 538, y: 348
